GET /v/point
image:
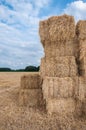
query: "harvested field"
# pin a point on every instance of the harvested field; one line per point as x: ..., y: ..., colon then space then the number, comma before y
x: 14, y: 117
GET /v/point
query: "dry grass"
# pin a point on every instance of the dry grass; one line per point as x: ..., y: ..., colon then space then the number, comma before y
x: 8, y: 79
x: 13, y: 117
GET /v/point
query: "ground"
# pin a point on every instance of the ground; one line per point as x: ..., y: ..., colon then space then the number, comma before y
x: 15, y: 117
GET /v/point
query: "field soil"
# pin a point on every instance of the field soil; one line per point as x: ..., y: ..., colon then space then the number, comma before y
x: 15, y: 117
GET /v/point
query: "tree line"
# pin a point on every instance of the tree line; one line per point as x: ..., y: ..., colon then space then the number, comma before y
x: 27, y: 69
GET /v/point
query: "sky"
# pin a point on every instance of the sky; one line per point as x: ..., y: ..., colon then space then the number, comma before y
x: 20, y: 44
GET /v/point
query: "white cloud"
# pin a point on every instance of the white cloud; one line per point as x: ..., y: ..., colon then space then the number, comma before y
x: 77, y: 9
x: 19, y: 40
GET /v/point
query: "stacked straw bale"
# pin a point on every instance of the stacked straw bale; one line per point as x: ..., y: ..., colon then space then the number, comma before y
x: 58, y: 38
x: 60, y: 77
x: 61, y: 28
x: 55, y: 34
x: 62, y: 84
x: 30, y: 93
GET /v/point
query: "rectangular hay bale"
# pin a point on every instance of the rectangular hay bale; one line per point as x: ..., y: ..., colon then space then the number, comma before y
x: 55, y: 87
x: 31, y: 81
x: 61, y: 28
x: 63, y: 66
x: 60, y: 106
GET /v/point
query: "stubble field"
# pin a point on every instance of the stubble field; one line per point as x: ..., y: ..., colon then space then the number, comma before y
x: 15, y: 117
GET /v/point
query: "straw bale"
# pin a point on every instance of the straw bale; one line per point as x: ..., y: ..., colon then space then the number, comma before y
x: 61, y: 28
x: 30, y: 97
x: 57, y: 29
x: 31, y: 81
x: 60, y: 106
x: 55, y: 87
x: 81, y: 29
x: 44, y: 31
x: 63, y: 66
x: 54, y: 49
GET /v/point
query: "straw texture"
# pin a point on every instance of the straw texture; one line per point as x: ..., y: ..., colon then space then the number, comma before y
x: 31, y: 81
x: 30, y: 97
x: 61, y: 106
x: 55, y: 87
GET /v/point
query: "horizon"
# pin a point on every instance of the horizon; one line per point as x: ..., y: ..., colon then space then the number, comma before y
x: 20, y: 44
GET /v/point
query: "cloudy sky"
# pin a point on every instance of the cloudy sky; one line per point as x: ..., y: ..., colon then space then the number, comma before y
x: 19, y: 22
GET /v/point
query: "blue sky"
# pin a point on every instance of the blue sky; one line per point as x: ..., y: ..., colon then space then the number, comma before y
x: 19, y: 23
